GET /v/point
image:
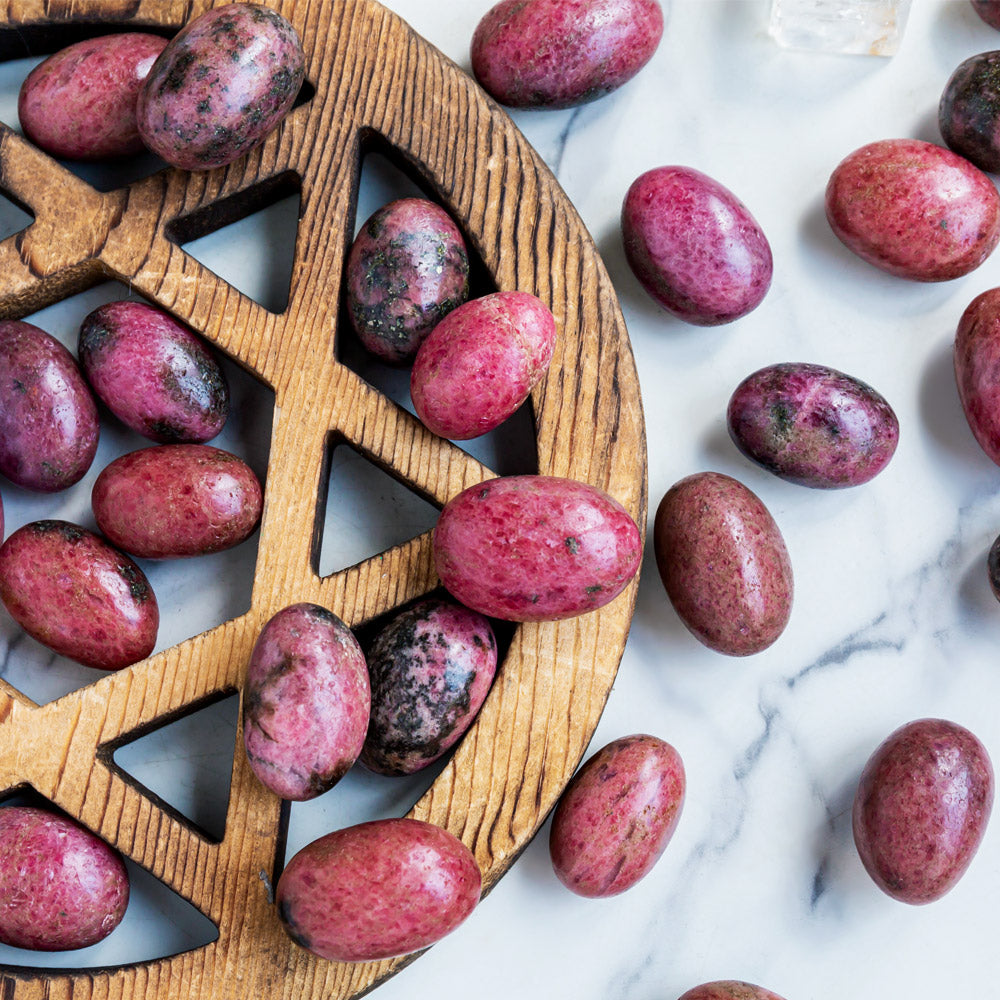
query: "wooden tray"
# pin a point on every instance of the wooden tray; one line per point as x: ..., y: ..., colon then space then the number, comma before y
x: 374, y: 80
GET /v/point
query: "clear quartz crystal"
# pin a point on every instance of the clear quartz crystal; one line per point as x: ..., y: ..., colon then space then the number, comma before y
x: 856, y: 27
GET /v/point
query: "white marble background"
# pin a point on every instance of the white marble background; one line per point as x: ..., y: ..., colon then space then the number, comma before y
x: 893, y: 616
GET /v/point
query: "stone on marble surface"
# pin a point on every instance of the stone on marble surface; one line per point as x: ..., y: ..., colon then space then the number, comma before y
x: 921, y: 809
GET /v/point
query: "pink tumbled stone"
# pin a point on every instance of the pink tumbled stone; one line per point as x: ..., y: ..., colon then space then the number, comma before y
x: 563, y: 53
x: 535, y: 548
x: 921, y: 809
x: 61, y: 887
x: 478, y: 365
x: 306, y: 702
x: 172, y: 501
x: 79, y: 104
x: 70, y: 590
x: 617, y: 815
x: 154, y: 373
x: 913, y: 209
x: 378, y: 889
x: 694, y: 246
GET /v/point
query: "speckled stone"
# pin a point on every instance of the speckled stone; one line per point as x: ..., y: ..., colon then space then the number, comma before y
x: 921, y: 809
x: 224, y: 82
x: 563, y: 53
x: 176, y: 500
x: 729, y: 989
x: 617, y: 815
x: 306, y: 702
x: 431, y: 667
x: 377, y: 890
x: 723, y: 563
x: 407, y: 269
x: 480, y: 363
x: 694, y: 246
x: 535, y: 548
x: 813, y: 425
x: 61, y: 887
x: 76, y: 594
x: 79, y: 104
x: 153, y: 373
x: 48, y: 416
x: 969, y: 111
x: 914, y: 209
x: 977, y: 363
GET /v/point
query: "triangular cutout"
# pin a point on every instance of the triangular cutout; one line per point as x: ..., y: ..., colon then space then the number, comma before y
x: 13, y: 217
x: 187, y: 764
x: 512, y: 448
x: 248, y: 240
x: 365, y: 511
x: 194, y: 595
x: 157, y: 923
x: 381, y: 182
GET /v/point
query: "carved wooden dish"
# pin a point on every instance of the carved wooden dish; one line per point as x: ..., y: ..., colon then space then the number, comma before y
x: 374, y: 78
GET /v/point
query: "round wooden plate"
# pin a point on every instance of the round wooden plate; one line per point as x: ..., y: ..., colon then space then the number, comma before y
x: 376, y: 82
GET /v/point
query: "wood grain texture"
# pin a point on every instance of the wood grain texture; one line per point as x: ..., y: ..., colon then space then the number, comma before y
x: 376, y: 83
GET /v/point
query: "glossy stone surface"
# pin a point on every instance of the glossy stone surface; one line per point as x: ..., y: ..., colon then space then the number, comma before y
x: 431, y: 667
x: 976, y: 360
x: 969, y: 110
x: 563, y: 53
x: 914, y: 209
x: 407, y: 269
x: 79, y: 104
x: 478, y: 365
x: 729, y: 989
x: 813, y: 425
x: 224, y: 82
x: 694, y: 246
x: 377, y: 889
x: 176, y: 500
x: 723, y: 563
x: 617, y: 816
x: 306, y: 702
x: 74, y: 593
x: 153, y: 373
x: 893, y: 613
x: 921, y: 809
x: 48, y: 417
x: 61, y: 887
x: 535, y: 548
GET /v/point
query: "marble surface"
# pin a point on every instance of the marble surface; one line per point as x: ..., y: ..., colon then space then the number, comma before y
x: 893, y: 618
